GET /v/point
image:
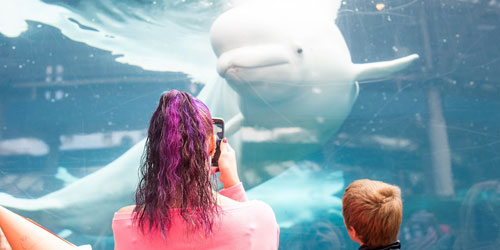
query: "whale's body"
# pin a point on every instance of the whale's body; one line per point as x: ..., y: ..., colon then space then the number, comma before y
x: 290, y: 67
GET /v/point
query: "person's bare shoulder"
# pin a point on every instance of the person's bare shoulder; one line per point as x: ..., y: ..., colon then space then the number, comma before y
x: 126, y: 209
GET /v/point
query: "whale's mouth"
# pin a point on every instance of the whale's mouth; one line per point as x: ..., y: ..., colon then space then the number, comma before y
x: 248, y: 58
x: 234, y: 69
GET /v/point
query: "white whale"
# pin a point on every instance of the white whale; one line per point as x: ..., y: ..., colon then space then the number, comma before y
x: 290, y: 67
x: 290, y: 64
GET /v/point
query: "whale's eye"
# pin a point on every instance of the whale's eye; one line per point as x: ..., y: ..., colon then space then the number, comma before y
x: 299, y: 51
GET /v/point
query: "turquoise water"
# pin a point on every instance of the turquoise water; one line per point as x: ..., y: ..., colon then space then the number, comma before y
x: 79, y: 81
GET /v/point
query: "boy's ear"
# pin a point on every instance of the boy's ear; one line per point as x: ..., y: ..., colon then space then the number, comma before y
x: 354, y: 235
x: 352, y: 230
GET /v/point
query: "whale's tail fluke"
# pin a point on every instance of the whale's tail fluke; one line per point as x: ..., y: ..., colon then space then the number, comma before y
x: 376, y: 70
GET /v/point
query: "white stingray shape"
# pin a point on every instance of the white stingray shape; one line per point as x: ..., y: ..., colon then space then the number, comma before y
x: 167, y: 36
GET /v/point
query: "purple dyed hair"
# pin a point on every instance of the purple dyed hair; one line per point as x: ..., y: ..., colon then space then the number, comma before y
x: 175, y: 167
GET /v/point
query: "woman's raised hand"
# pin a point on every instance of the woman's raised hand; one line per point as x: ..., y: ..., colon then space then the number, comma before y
x: 227, y: 165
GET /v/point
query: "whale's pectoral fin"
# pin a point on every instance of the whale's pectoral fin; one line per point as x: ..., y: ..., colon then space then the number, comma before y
x: 356, y: 90
x: 234, y: 124
x: 376, y: 70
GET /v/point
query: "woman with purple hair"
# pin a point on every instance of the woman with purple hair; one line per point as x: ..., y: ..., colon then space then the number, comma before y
x: 177, y: 206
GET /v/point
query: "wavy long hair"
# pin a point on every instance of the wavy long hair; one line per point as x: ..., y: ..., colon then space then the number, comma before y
x: 175, y: 169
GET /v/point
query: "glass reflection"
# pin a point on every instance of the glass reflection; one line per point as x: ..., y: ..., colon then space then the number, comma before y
x: 76, y: 93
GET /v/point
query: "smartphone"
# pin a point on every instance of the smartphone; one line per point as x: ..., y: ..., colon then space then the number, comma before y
x: 218, y: 124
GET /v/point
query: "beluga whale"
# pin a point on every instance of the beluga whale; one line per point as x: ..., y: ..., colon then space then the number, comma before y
x: 290, y: 67
x: 290, y: 64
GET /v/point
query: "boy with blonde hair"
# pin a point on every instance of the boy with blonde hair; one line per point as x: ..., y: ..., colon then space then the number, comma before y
x: 372, y: 213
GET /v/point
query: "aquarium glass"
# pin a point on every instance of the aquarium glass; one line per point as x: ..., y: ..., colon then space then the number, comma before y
x: 79, y: 81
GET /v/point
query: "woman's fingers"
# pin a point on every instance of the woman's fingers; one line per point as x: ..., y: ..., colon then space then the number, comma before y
x: 224, y: 146
x: 227, y: 165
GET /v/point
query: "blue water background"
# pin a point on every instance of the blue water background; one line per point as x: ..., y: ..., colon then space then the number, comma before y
x: 386, y: 136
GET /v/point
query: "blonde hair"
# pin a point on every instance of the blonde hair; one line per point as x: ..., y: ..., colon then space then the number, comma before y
x: 374, y: 209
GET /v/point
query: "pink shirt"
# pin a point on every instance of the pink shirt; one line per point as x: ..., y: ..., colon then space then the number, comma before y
x: 243, y: 225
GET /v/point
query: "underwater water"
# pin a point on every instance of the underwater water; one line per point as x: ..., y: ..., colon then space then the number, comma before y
x: 79, y: 81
